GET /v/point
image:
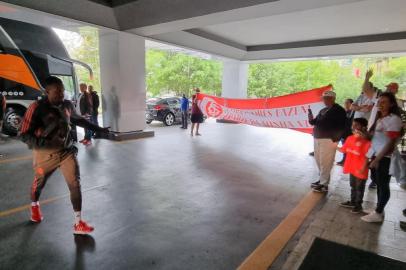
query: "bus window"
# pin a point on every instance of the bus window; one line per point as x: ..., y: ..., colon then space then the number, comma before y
x: 69, y: 86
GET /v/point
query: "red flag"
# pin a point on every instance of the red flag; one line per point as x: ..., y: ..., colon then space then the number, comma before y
x: 289, y: 111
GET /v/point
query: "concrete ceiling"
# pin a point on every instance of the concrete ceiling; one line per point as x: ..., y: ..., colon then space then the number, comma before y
x: 113, y: 3
x: 249, y: 29
x: 354, y: 19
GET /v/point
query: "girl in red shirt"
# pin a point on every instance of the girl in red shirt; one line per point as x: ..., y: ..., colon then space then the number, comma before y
x: 356, y: 163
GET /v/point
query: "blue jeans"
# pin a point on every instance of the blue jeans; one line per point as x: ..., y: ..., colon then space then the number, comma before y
x: 94, y: 120
x: 88, y: 132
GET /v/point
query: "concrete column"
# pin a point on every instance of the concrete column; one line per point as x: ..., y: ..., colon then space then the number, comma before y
x: 235, y: 79
x: 122, y: 71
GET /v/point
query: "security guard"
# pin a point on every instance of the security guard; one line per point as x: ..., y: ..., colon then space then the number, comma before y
x: 46, y: 130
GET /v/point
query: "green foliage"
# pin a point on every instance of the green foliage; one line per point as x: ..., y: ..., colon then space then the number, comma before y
x: 280, y: 78
x: 87, y: 52
x: 176, y: 73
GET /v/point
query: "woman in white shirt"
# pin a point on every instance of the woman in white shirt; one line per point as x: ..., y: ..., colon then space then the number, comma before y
x: 387, y: 131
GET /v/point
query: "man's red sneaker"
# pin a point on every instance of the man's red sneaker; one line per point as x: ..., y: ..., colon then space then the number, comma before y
x: 36, y: 215
x: 81, y: 141
x: 87, y: 143
x: 82, y: 228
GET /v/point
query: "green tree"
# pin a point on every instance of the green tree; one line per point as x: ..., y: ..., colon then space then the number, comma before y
x: 346, y: 75
x: 87, y: 51
x: 169, y: 72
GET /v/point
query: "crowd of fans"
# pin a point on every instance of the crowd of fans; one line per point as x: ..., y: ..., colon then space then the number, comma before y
x: 370, y: 130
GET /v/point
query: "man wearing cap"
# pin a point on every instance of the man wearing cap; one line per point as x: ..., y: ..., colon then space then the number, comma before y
x: 329, y: 126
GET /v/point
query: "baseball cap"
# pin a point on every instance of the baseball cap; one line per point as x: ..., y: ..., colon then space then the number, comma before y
x: 393, y: 86
x: 329, y: 93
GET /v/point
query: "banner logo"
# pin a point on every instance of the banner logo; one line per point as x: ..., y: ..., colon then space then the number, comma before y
x: 213, y: 109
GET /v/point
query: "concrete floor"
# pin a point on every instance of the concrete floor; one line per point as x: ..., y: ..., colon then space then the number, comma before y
x: 169, y: 202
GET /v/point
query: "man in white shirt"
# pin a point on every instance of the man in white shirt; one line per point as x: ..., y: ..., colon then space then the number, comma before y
x: 365, y: 102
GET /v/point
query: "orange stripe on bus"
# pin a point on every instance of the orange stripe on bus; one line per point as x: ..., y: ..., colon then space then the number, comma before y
x: 15, y: 69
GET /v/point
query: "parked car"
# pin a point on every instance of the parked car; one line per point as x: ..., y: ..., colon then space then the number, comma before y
x: 166, y: 110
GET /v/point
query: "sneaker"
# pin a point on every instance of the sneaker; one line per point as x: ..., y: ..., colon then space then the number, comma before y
x: 404, y: 212
x: 347, y: 204
x: 36, y: 215
x: 373, y: 217
x: 321, y: 189
x: 402, y: 225
x: 81, y: 141
x: 315, y: 184
x: 311, y: 154
x: 87, y: 143
x: 340, y: 163
x: 372, y: 185
x: 82, y: 228
x: 357, y: 210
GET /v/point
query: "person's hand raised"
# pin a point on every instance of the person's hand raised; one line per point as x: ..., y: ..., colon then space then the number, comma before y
x: 369, y: 73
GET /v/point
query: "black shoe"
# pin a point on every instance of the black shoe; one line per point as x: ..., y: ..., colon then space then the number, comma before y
x: 311, y: 154
x: 321, y: 189
x: 357, y: 210
x: 404, y: 212
x: 372, y: 185
x: 340, y: 163
x: 347, y: 204
x: 315, y: 184
x: 402, y: 225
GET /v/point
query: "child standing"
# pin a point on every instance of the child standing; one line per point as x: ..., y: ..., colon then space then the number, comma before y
x: 356, y: 163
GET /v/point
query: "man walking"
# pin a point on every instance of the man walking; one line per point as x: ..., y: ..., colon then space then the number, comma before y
x: 46, y: 129
x: 329, y: 127
x: 184, y: 108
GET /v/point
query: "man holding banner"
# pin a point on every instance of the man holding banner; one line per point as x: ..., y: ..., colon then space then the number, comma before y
x: 289, y: 111
x: 329, y: 126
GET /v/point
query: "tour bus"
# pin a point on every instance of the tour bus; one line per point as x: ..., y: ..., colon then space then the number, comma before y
x: 28, y: 55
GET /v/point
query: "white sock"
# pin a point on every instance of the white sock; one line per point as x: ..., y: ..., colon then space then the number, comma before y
x: 78, y: 217
x: 35, y: 203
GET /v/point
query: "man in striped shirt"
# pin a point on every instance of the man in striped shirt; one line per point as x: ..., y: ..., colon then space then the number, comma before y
x: 46, y: 129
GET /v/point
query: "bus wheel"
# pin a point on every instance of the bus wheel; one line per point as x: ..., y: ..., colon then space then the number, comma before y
x: 12, y: 121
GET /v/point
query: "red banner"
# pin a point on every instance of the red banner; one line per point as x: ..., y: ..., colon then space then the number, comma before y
x: 288, y: 111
